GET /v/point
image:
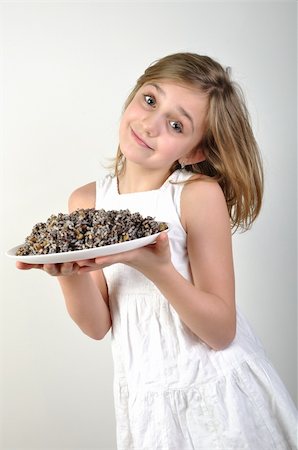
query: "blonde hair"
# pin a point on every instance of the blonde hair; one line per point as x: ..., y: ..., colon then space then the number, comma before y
x: 232, y: 155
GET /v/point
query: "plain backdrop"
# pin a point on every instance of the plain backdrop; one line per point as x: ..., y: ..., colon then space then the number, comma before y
x: 66, y: 69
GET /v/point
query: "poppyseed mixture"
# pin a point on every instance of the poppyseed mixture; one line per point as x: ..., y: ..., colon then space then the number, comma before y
x: 87, y: 228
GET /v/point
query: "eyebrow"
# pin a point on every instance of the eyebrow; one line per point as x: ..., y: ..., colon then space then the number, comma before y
x: 179, y: 108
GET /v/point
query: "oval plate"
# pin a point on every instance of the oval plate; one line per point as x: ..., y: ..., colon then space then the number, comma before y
x: 77, y: 255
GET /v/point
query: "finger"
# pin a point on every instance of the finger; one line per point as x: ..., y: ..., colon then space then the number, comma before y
x: 104, y: 261
x: 85, y: 262
x: 163, y: 237
x: 24, y: 266
x: 86, y: 269
x: 51, y: 269
x: 68, y: 268
x: 162, y: 240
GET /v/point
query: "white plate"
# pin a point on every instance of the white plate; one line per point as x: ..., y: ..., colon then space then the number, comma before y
x: 78, y: 255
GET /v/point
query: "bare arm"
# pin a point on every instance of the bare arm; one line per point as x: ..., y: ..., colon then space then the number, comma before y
x: 86, y: 304
x: 207, y: 304
x: 85, y: 294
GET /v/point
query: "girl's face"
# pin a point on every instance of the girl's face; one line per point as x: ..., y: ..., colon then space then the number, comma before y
x: 163, y: 123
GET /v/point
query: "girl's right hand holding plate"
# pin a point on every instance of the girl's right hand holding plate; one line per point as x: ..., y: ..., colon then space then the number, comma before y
x: 62, y: 269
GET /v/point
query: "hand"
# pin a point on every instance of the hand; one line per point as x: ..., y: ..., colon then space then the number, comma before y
x: 149, y: 259
x: 63, y: 269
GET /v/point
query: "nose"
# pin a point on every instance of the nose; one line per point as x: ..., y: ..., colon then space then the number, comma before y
x: 151, y: 124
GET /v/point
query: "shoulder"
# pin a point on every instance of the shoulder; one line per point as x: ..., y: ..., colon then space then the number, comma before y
x: 203, y: 203
x: 83, y: 197
x: 201, y: 185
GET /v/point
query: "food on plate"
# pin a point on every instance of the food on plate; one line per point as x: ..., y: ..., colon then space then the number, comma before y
x: 87, y: 228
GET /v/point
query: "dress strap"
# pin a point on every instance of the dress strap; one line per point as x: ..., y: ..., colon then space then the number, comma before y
x: 103, y: 188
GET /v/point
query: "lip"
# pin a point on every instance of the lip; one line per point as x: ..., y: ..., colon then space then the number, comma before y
x: 139, y: 140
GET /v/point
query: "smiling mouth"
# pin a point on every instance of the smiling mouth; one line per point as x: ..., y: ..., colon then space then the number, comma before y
x: 139, y: 140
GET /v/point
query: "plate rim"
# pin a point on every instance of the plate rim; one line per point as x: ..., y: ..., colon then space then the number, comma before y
x: 36, y: 259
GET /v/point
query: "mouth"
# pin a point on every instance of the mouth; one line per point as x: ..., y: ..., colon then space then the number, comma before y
x: 139, y: 140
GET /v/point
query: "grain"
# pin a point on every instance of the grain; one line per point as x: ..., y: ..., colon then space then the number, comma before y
x: 87, y: 228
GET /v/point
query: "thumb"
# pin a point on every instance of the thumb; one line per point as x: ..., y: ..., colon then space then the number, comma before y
x: 162, y: 239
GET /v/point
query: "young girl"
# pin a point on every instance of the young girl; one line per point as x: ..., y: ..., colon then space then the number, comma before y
x: 189, y: 372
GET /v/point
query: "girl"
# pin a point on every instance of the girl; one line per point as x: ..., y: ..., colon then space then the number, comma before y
x: 189, y: 372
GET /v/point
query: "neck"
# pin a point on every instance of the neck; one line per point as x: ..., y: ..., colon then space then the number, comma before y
x: 136, y: 179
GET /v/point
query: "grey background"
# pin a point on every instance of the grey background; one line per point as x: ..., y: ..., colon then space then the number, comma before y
x: 66, y: 69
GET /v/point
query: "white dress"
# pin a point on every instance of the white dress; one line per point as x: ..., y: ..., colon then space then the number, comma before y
x: 172, y: 392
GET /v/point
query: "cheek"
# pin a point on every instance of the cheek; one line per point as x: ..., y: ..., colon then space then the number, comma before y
x: 132, y: 110
x: 121, y: 132
x: 122, y: 135
x: 124, y: 121
x: 126, y: 118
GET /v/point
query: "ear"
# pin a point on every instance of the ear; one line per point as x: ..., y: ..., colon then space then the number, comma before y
x: 195, y: 156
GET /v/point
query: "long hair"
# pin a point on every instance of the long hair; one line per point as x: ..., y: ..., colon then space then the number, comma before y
x: 232, y: 155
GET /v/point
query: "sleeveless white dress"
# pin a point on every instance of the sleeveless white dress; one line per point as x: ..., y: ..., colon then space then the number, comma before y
x: 172, y: 391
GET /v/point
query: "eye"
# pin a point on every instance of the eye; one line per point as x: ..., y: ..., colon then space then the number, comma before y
x: 176, y: 126
x: 149, y: 100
